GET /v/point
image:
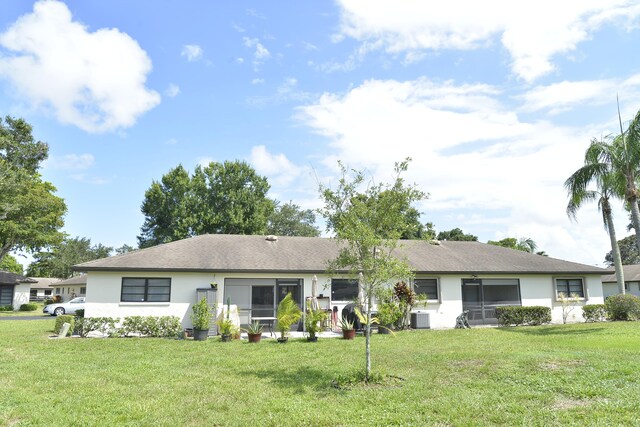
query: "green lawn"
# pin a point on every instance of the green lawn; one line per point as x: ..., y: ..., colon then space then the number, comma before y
x: 37, y: 312
x: 586, y: 374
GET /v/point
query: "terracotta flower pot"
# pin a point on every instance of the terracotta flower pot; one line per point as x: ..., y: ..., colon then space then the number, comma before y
x: 255, y: 338
x: 349, y: 334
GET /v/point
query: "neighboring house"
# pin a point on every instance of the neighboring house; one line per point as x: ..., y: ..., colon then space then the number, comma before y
x: 70, y: 288
x: 41, y: 290
x: 256, y: 272
x: 14, y: 289
x: 631, y: 281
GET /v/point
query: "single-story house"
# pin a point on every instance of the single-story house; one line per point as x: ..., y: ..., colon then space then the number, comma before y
x: 14, y: 289
x: 41, y: 290
x: 74, y: 286
x: 256, y: 272
x: 631, y: 281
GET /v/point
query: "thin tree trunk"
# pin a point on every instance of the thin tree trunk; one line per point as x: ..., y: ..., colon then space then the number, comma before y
x: 367, y: 331
x: 635, y: 218
x: 615, y: 249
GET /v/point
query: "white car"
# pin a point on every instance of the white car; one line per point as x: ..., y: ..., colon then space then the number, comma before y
x: 69, y: 307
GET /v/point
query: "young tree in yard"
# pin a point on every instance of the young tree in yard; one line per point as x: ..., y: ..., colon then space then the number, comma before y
x: 606, y: 181
x: 368, y: 222
x: 57, y: 262
x: 30, y: 213
x: 289, y: 220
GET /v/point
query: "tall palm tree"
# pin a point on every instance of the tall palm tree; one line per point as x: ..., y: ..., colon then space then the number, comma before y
x: 607, y: 183
x: 625, y: 156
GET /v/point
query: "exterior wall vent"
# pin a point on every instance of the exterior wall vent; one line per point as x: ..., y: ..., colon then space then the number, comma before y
x: 271, y: 238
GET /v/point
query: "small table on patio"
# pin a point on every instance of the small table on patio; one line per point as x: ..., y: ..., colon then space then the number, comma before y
x: 269, y: 321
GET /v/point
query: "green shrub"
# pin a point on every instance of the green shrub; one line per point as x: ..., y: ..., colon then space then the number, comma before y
x: 84, y: 325
x: 6, y: 308
x: 48, y: 301
x: 62, y: 319
x: 80, y: 312
x: 594, y: 312
x: 623, y: 307
x: 29, y: 307
x: 517, y: 315
x: 151, y: 326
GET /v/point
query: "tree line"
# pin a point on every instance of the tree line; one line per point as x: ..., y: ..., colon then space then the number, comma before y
x: 227, y: 197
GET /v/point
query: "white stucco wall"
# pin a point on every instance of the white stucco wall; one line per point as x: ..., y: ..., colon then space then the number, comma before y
x: 609, y: 289
x: 103, y: 294
x: 21, y: 294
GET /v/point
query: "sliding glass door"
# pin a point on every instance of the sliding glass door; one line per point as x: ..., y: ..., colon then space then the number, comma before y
x: 260, y: 297
x: 482, y: 296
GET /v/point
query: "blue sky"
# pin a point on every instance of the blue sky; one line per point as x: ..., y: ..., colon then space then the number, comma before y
x: 495, y: 102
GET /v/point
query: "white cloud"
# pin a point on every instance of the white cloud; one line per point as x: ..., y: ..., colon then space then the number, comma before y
x: 565, y: 95
x: 172, y: 91
x: 70, y: 162
x: 276, y: 167
x: 260, y: 53
x: 532, y: 32
x: 171, y: 141
x: 286, y: 91
x: 485, y: 168
x: 93, y: 80
x: 257, y: 81
x: 193, y: 52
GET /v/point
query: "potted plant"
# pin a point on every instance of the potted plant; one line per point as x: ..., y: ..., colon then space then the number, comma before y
x: 348, y: 331
x: 254, y: 332
x: 201, y: 319
x: 313, y: 321
x: 225, y: 325
x: 288, y: 313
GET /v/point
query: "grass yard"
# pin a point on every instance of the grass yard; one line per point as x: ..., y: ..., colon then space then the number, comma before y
x: 587, y: 374
x: 37, y: 312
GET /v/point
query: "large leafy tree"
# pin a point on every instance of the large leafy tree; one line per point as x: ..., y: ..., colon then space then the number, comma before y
x: 230, y: 198
x: 628, y: 252
x: 9, y: 263
x: 168, y: 209
x: 57, y: 261
x: 220, y: 198
x: 368, y: 222
x: 456, y: 234
x: 290, y: 220
x: 30, y: 214
x: 603, y: 175
x: 524, y: 244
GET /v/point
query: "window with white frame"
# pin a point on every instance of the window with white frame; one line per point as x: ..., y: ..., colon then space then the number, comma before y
x: 136, y: 289
x: 570, y: 286
x: 427, y: 287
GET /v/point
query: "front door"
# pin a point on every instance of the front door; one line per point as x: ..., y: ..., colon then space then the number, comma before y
x: 482, y: 296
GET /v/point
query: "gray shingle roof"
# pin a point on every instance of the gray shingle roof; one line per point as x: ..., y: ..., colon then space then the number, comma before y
x: 75, y: 280
x: 238, y: 253
x: 631, y: 274
x: 8, y: 278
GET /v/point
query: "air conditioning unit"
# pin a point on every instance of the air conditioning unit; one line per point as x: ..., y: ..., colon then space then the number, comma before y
x: 420, y: 320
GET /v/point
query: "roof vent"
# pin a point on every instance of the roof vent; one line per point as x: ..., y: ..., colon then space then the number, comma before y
x: 271, y: 238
